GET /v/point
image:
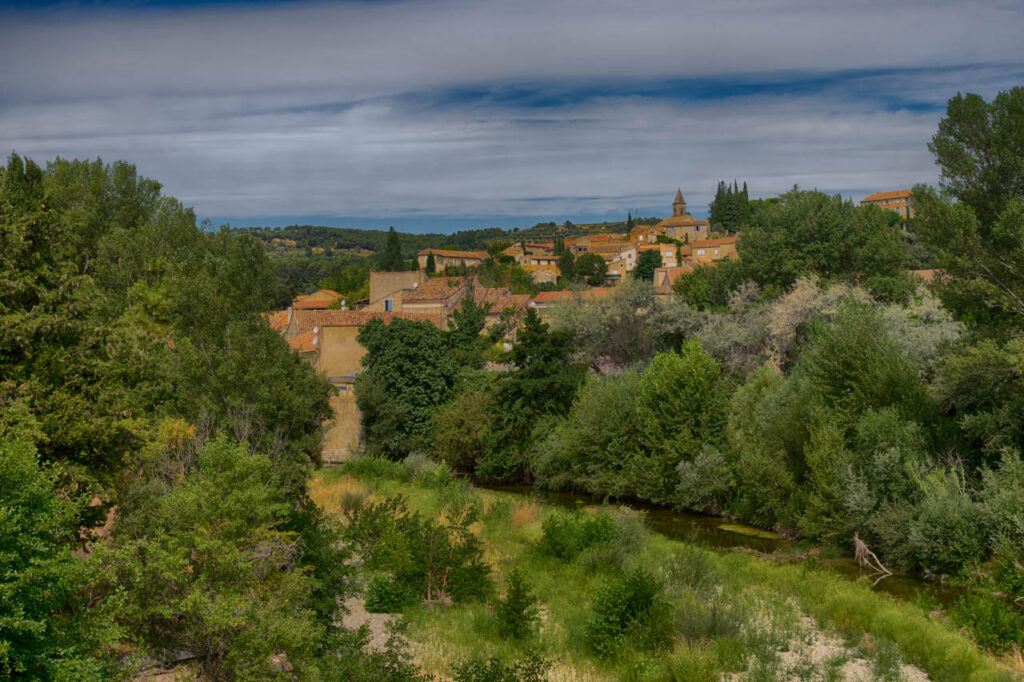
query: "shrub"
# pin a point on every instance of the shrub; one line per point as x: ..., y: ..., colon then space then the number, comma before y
x: 619, y: 609
x: 947, y: 533
x: 566, y: 535
x: 517, y: 612
x: 615, y: 555
x: 384, y: 594
x: 704, y: 483
x: 532, y: 668
x: 994, y: 624
x: 433, y: 560
x: 368, y: 467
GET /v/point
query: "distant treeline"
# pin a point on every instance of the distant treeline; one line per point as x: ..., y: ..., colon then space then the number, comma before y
x: 345, y: 238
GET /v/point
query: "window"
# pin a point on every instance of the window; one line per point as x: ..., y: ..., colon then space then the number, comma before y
x: 700, y: 252
x: 387, y: 305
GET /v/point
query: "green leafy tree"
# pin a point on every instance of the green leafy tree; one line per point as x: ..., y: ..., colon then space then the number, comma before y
x: 813, y: 233
x: 517, y: 611
x: 431, y: 264
x: 567, y: 265
x: 392, y: 260
x: 592, y: 268
x: 47, y: 630
x: 978, y: 148
x: 542, y: 384
x: 408, y: 371
x: 646, y: 264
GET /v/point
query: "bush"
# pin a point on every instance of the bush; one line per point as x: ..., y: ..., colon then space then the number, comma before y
x: 532, y: 668
x: 620, y: 608
x: 566, y: 535
x: 384, y: 594
x: 517, y: 612
x: 993, y: 623
x: 704, y: 483
x: 375, y: 468
x: 617, y: 554
x: 948, y: 532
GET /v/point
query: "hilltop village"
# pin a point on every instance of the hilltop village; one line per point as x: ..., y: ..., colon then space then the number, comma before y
x: 323, y: 327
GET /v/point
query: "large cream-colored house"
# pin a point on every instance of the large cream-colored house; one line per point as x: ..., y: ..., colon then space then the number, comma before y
x: 444, y: 258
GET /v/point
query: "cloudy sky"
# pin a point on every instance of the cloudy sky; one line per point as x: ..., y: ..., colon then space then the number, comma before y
x: 446, y: 114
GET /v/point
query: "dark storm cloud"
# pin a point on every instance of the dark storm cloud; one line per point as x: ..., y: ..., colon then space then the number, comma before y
x: 542, y: 108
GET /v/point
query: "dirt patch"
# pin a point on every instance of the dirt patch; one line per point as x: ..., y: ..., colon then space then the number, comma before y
x: 378, y: 623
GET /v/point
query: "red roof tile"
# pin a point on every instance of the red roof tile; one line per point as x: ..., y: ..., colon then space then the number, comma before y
x: 307, y: 320
x: 882, y: 196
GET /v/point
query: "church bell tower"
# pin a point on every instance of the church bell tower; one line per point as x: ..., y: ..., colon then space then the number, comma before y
x: 679, y: 204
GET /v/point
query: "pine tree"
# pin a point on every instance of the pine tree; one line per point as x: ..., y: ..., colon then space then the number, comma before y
x: 393, y: 253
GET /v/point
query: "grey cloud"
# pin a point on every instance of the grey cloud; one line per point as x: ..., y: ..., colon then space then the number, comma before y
x: 335, y: 110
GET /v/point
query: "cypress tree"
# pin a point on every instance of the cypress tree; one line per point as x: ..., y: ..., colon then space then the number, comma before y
x: 431, y: 264
x: 393, y: 252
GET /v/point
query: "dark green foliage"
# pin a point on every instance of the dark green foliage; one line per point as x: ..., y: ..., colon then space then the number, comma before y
x: 710, y: 286
x: 619, y: 610
x: 408, y: 371
x: 353, y: 283
x: 811, y: 232
x: 533, y: 668
x: 994, y: 624
x: 430, y: 560
x: 566, y: 535
x: 854, y: 365
x: 591, y: 268
x: 46, y: 628
x: 626, y: 435
x: 431, y: 264
x: 215, y: 570
x: 385, y: 594
x: 517, y: 612
x: 461, y: 431
x: 646, y: 264
x: 464, y: 338
x: 391, y: 260
x: 542, y: 385
x: 978, y: 148
x: 982, y: 261
x: 567, y: 265
x: 730, y: 210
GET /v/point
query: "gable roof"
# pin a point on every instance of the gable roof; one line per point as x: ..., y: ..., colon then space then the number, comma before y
x: 304, y: 343
x: 437, y: 289
x: 705, y: 243
x: 566, y: 295
x: 308, y: 320
x: 482, y: 255
x: 882, y: 196
x: 277, y: 319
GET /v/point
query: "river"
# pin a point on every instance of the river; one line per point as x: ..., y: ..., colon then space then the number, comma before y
x: 714, y: 531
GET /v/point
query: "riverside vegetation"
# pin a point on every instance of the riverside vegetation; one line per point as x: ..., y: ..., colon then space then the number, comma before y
x: 811, y: 387
x: 539, y: 593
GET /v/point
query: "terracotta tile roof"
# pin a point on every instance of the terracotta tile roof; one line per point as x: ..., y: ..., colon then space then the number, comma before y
x: 680, y: 221
x: 705, y: 243
x: 656, y: 247
x: 565, y: 295
x: 304, y: 343
x: 481, y: 255
x: 316, y: 304
x: 277, y: 319
x: 307, y: 320
x: 926, y: 275
x: 319, y: 293
x: 882, y: 196
x: 436, y: 289
x: 500, y: 299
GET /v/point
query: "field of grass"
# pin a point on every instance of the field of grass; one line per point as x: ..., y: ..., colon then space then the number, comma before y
x: 716, y: 613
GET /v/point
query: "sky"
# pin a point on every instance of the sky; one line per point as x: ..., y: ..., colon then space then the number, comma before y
x: 438, y: 115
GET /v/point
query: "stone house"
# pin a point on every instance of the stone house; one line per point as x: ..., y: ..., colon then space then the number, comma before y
x: 444, y: 258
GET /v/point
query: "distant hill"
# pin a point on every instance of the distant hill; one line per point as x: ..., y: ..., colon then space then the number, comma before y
x: 298, y: 238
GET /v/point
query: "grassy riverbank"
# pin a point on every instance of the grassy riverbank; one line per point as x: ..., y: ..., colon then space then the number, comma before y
x: 713, y: 613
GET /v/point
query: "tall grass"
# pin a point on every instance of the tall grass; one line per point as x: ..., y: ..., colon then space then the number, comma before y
x: 729, y: 612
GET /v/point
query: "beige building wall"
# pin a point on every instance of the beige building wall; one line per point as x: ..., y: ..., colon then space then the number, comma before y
x: 340, y: 353
x: 385, y: 284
